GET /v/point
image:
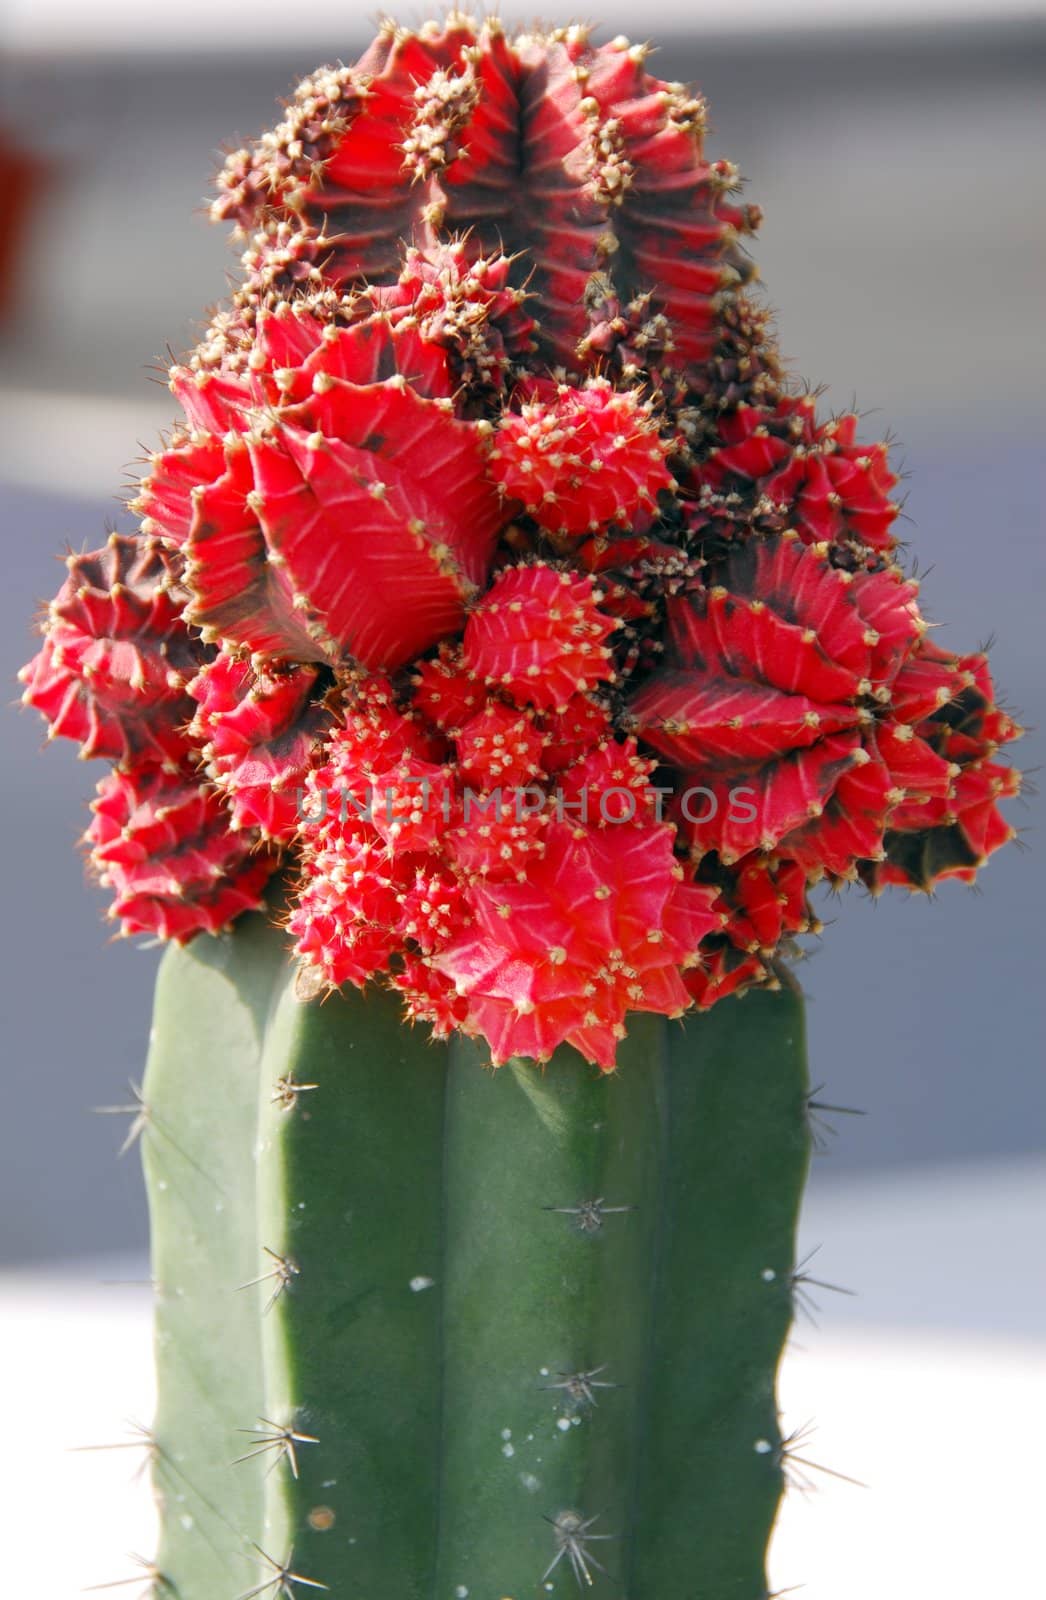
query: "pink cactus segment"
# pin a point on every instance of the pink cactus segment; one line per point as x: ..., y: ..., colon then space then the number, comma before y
x: 611, y: 785
x: 771, y: 902
x: 566, y: 151
x: 429, y: 997
x: 347, y: 512
x: 538, y: 634
x: 931, y: 842
x: 344, y: 919
x: 724, y: 971
x: 165, y: 846
x: 500, y: 746
x: 432, y: 908
x: 784, y: 468
x: 852, y: 824
x: 260, y: 733
x: 339, y: 160
x: 933, y: 837
x: 583, y: 724
x: 446, y: 693
x: 373, y: 886
x: 465, y: 304
x: 974, y: 725
x: 601, y: 926
x: 374, y: 774
x: 928, y: 680
x: 117, y: 657
x: 379, y: 517
x: 166, y: 498
x: 500, y: 833
x: 675, y: 218
x: 412, y: 805
x: 778, y: 707
x: 526, y: 169
x: 579, y: 459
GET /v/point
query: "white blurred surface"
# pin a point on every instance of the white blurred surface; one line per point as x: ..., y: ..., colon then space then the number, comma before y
x: 78, y: 443
x: 125, y: 25
x: 930, y: 1389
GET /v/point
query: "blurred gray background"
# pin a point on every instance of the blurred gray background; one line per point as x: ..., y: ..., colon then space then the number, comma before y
x: 900, y: 168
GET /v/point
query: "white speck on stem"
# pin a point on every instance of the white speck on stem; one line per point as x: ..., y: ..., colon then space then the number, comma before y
x: 762, y: 1447
x: 508, y: 1451
x: 506, y: 1433
x: 186, y: 1521
x: 563, y: 1424
x: 461, y: 1593
x: 419, y: 1283
x: 769, y: 1274
x: 529, y: 1482
x: 543, y: 1372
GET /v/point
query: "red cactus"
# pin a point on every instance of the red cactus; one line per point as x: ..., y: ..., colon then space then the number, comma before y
x: 467, y: 305
x: 347, y: 511
x: 581, y: 458
x: 493, y: 528
x: 259, y: 733
x: 539, y: 634
x: 765, y: 909
x: 500, y: 745
x: 601, y: 926
x: 117, y: 656
x: 777, y: 467
x: 778, y: 705
x: 571, y: 156
x: 933, y: 838
x: 446, y: 692
x: 165, y: 847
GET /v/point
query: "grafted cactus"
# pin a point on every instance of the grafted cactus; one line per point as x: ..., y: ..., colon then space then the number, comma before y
x: 497, y: 593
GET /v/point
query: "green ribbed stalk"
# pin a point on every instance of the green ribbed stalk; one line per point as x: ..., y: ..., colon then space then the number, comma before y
x: 435, y: 1268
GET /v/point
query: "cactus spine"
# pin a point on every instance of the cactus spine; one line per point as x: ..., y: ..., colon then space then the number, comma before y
x: 508, y: 1333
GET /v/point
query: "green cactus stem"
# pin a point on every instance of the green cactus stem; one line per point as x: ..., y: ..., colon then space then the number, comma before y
x: 426, y: 1331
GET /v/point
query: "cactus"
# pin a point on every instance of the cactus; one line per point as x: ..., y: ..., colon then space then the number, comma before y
x: 497, y: 593
x: 500, y: 1326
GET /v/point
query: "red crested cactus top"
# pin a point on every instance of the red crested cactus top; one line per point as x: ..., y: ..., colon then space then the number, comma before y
x: 495, y: 583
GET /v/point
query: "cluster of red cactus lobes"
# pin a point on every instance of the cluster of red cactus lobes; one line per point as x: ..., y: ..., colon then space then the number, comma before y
x: 498, y: 585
